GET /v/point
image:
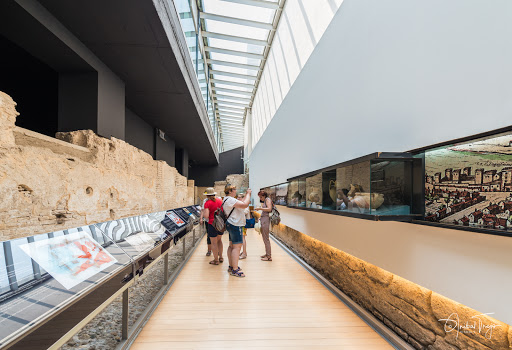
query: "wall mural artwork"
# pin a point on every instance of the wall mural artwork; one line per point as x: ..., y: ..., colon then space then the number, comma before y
x: 471, y: 184
x: 70, y: 259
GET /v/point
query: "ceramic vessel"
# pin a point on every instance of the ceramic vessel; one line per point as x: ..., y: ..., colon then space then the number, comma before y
x: 365, y: 199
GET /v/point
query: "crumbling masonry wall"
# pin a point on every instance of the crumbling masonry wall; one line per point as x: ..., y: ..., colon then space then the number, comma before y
x: 80, y: 178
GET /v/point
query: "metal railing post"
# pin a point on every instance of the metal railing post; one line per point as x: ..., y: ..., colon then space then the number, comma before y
x: 184, y: 248
x: 166, y: 268
x: 125, y: 314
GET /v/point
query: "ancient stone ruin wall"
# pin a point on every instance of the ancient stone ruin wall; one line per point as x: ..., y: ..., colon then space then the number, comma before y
x: 413, y: 312
x: 240, y: 181
x: 80, y: 178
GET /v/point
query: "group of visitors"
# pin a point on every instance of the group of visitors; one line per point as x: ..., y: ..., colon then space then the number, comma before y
x: 236, y: 209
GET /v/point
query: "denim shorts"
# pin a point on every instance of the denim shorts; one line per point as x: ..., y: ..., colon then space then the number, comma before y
x: 212, y: 232
x: 235, y: 233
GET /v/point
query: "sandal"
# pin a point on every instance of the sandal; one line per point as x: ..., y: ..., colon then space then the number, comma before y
x: 208, y: 253
x: 238, y: 272
x: 221, y: 259
x: 267, y: 258
x: 243, y: 256
x: 214, y: 262
x: 263, y: 256
x: 230, y: 268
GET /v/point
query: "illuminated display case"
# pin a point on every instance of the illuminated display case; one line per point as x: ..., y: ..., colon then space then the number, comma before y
x: 64, y: 275
x: 314, y: 192
x: 281, y: 194
x: 463, y: 184
x: 376, y: 186
x: 469, y: 184
x: 297, y: 193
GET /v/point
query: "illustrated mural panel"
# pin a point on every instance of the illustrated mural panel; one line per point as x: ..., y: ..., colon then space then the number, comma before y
x: 470, y: 184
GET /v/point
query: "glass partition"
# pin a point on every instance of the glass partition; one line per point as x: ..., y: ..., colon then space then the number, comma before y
x: 391, y: 187
x: 329, y: 195
x: 352, y: 187
x: 301, y: 198
x: 314, y: 191
x: 272, y: 193
x: 293, y: 193
x: 282, y: 194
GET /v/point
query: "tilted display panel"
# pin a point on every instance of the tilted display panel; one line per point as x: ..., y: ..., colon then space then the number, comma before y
x: 50, y: 282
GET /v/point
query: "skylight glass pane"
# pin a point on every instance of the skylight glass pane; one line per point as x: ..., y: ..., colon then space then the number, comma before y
x: 234, y: 94
x: 234, y: 58
x: 240, y: 30
x: 233, y: 45
x: 230, y: 86
x: 219, y: 67
x: 233, y: 79
x: 230, y: 9
x: 228, y: 98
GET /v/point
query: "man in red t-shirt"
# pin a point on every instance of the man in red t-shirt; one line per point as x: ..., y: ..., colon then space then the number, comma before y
x: 210, y: 206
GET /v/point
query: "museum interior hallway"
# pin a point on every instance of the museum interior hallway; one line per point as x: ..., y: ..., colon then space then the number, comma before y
x: 278, y: 305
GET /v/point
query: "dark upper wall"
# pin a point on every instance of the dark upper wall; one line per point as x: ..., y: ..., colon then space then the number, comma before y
x: 165, y: 150
x: 230, y: 162
x: 138, y: 133
x: 32, y: 85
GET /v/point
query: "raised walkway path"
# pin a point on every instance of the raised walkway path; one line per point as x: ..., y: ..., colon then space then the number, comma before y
x: 279, y: 305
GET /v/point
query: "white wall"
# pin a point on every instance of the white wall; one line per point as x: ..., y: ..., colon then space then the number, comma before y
x: 392, y: 76
x: 471, y: 268
x: 389, y: 76
x: 302, y: 24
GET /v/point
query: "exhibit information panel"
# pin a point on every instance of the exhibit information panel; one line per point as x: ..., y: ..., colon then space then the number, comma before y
x: 175, y: 218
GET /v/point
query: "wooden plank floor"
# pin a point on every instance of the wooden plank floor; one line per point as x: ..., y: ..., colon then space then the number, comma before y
x: 278, y: 305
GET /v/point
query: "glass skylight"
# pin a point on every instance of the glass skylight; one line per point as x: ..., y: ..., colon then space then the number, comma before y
x: 234, y: 37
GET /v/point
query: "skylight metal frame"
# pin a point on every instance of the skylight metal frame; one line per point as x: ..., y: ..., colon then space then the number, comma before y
x: 232, y: 99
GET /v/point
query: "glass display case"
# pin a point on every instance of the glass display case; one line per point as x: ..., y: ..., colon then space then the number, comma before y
x: 272, y: 193
x: 469, y: 184
x: 314, y: 191
x: 281, y: 194
x: 45, y: 275
x: 329, y: 196
x: 301, y: 198
x: 293, y: 193
x: 375, y: 186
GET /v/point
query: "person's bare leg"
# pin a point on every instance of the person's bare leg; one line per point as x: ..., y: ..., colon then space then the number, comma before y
x: 244, y: 249
x: 220, y: 246
x: 235, y: 255
x: 215, y: 248
x: 228, y: 252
